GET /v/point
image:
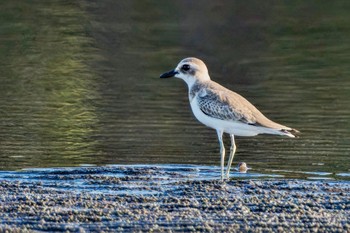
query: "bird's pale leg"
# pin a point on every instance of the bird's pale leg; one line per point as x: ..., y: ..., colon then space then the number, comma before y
x: 222, y: 153
x: 232, y: 153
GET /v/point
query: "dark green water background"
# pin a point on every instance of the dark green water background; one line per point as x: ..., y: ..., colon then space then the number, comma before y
x: 79, y: 82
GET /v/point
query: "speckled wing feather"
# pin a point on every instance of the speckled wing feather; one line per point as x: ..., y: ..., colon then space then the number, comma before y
x: 218, y: 102
x: 217, y: 105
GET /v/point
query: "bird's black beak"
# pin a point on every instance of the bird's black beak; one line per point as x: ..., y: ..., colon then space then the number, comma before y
x: 169, y: 74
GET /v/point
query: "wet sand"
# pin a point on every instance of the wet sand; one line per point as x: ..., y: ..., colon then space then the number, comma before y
x: 147, y: 198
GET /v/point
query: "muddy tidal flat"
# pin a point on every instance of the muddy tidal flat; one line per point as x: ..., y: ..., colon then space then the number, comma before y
x: 167, y: 199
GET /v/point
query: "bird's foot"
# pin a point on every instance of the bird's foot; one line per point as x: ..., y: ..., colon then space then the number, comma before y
x: 224, y: 178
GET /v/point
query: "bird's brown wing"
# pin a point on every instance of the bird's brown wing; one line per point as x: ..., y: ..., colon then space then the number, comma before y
x: 217, y: 105
x: 218, y: 102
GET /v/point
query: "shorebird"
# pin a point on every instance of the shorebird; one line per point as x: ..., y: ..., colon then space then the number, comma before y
x: 222, y: 109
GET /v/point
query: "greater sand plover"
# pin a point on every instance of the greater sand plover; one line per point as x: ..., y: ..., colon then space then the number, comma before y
x: 221, y: 109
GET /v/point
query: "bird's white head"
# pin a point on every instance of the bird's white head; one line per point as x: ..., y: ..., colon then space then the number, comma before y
x: 190, y: 70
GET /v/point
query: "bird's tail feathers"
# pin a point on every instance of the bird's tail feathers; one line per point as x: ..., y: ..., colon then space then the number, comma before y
x: 283, y: 132
x: 293, y: 133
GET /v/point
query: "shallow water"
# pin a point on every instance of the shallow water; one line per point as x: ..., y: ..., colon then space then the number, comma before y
x: 79, y: 82
x: 138, y: 179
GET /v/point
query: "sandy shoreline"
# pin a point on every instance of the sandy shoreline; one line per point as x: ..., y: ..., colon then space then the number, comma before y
x: 158, y: 199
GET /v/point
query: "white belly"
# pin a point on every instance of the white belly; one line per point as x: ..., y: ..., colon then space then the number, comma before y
x: 230, y: 127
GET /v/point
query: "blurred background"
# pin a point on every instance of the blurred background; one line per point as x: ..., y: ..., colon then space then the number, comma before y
x: 80, y: 85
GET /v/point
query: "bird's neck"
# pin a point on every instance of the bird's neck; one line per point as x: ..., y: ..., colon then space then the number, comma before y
x: 191, y: 80
x: 195, y: 88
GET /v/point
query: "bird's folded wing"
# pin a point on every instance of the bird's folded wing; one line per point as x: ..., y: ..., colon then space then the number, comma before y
x: 226, y: 105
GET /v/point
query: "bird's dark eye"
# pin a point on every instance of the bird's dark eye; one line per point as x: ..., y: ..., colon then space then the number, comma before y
x: 186, y: 67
